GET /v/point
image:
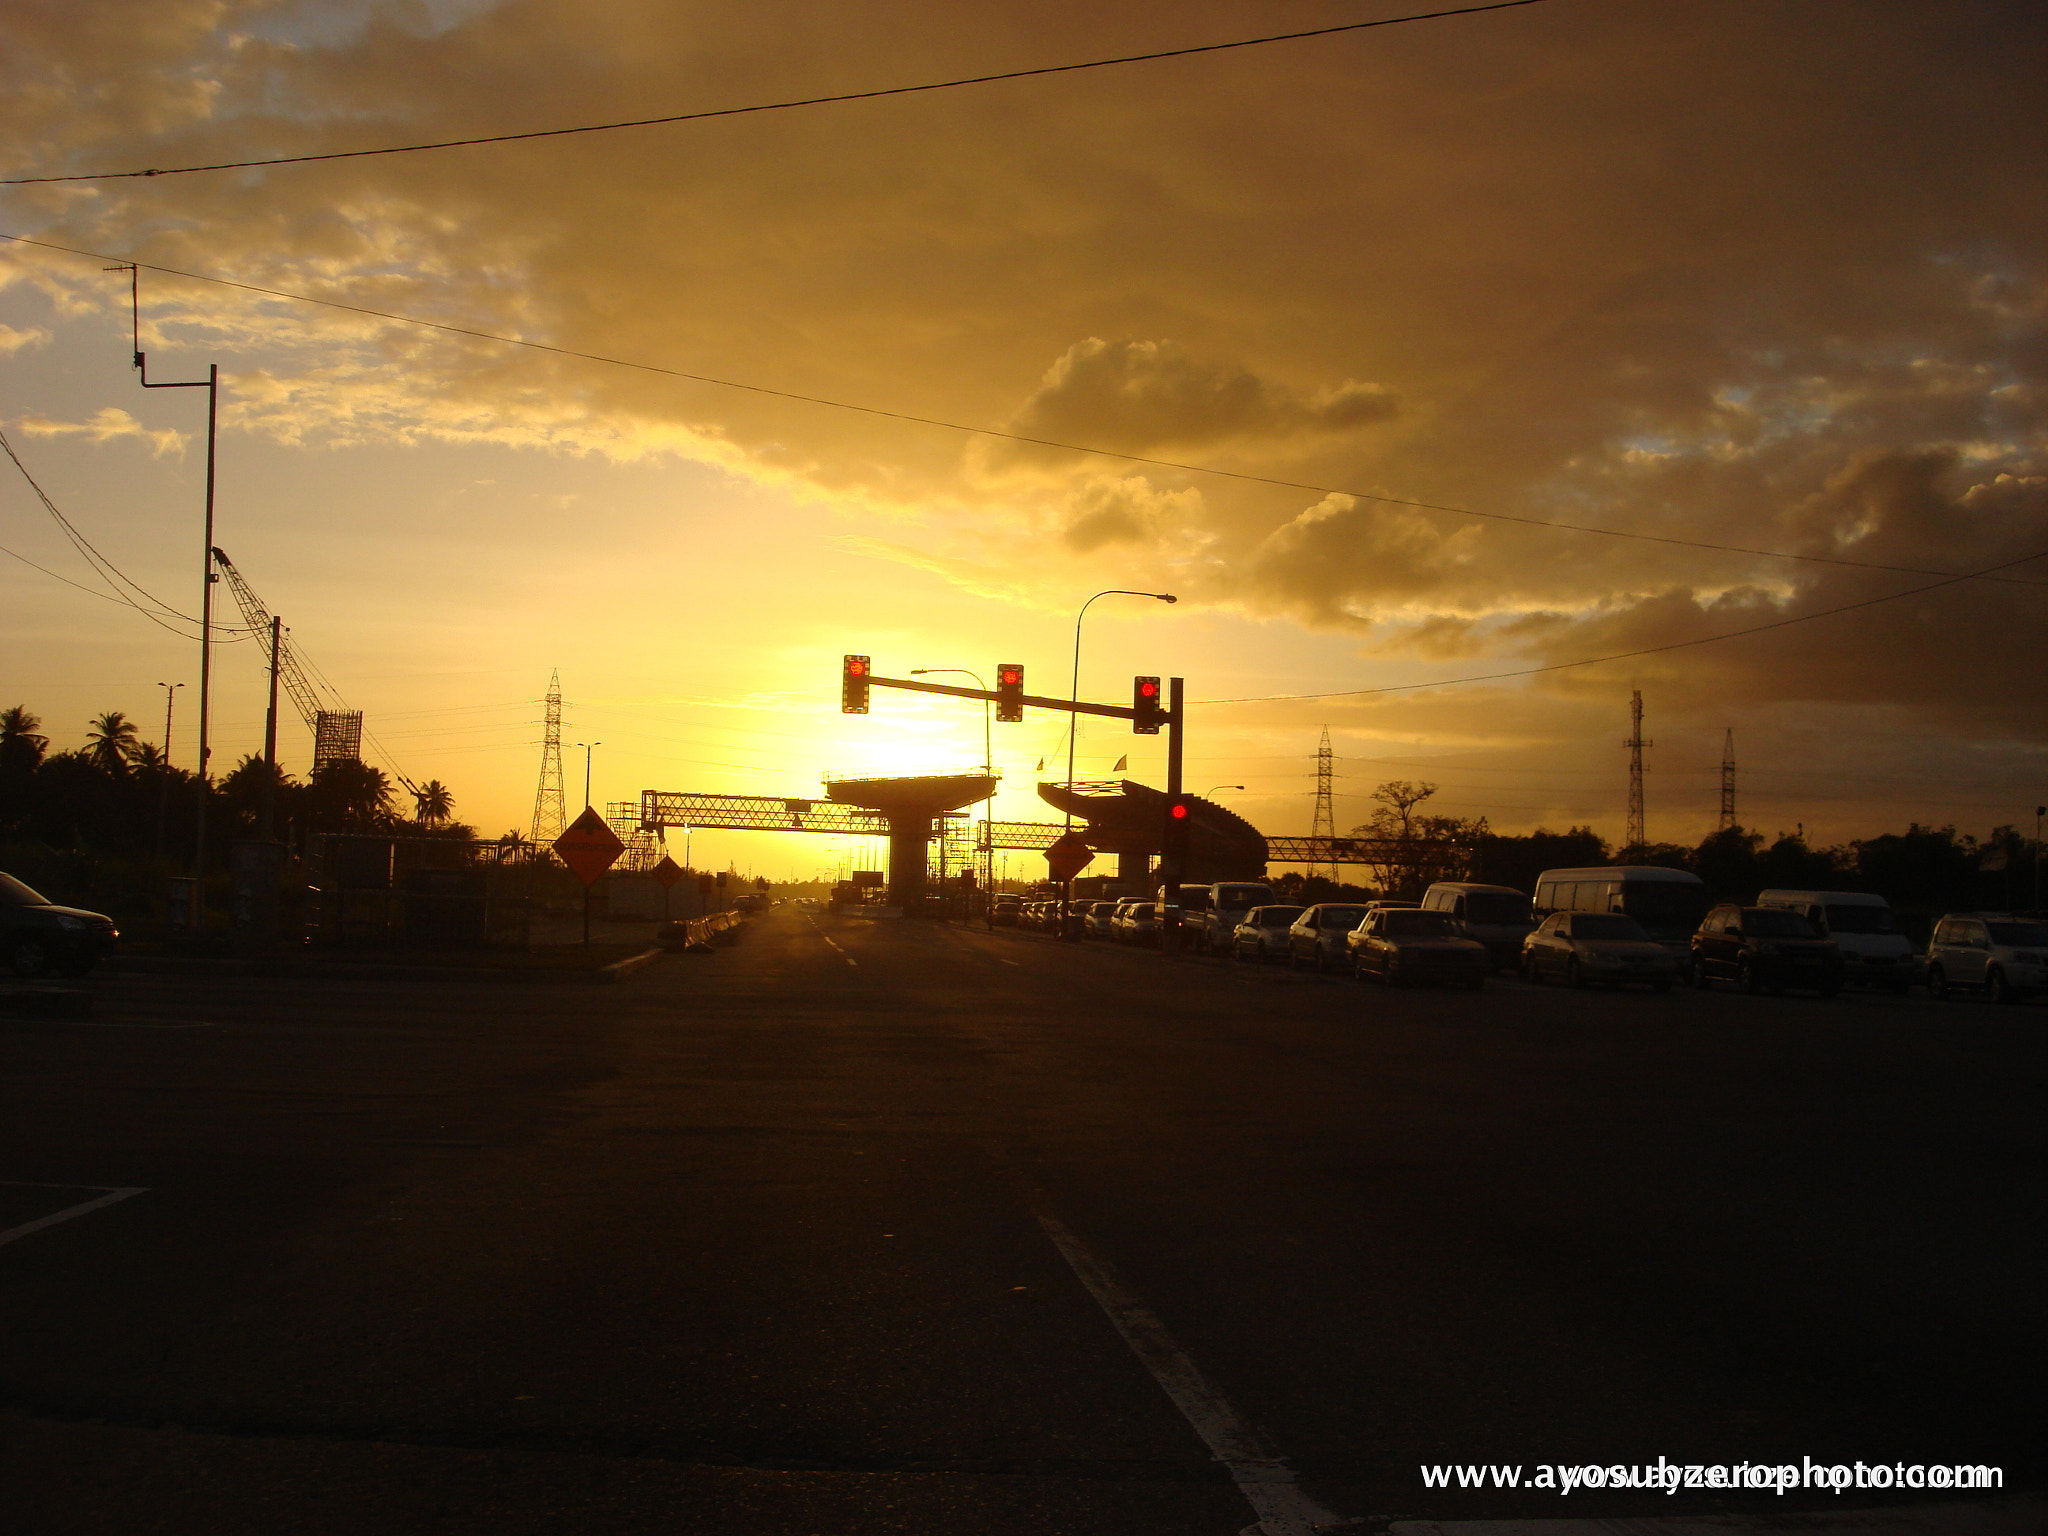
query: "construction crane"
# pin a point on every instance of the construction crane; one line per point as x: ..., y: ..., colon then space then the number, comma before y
x: 337, y: 733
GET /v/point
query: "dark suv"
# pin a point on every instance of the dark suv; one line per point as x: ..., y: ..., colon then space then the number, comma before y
x: 1764, y: 949
x: 38, y: 936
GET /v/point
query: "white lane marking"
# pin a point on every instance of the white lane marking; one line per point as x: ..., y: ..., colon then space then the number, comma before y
x: 1260, y: 1472
x: 108, y: 1198
x: 821, y: 933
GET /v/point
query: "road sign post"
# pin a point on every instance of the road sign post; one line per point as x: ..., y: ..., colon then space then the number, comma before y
x: 589, y: 848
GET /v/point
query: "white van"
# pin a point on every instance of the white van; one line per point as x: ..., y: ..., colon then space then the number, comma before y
x: 1874, y: 951
x: 1496, y: 915
x: 1669, y: 903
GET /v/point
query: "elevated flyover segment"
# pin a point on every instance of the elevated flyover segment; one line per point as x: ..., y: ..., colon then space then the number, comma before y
x: 1126, y: 818
x: 912, y: 808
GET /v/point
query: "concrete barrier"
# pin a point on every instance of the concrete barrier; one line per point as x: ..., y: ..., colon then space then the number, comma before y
x: 699, y: 933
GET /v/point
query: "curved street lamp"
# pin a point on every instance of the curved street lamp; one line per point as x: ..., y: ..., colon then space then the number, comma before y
x: 1069, y: 927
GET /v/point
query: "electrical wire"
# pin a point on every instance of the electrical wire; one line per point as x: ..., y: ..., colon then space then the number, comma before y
x: 104, y: 568
x: 782, y: 106
x: 998, y: 434
x: 1652, y: 650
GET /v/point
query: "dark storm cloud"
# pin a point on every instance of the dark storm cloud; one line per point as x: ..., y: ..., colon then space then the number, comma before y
x: 1751, y: 274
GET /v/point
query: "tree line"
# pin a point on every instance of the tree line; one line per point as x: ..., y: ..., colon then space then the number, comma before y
x: 107, y: 815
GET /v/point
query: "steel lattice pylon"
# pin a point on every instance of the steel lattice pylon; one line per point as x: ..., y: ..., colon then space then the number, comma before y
x: 1325, y: 827
x: 1637, y: 837
x: 547, y: 800
x: 1728, y: 781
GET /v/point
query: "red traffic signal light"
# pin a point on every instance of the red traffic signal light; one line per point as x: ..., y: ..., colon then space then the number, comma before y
x: 853, y: 686
x: 1145, y: 709
x: 1179, y: 819
x: 1010, y: 692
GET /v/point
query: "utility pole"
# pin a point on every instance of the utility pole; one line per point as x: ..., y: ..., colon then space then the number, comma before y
x: 1727, y: 781
x: 1637, y: 837
x: 270, y: 733
x: 211, y: 384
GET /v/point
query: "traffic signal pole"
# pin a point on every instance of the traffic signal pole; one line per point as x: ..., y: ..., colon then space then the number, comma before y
x: 1172, y: 839
x: 1144, y: 713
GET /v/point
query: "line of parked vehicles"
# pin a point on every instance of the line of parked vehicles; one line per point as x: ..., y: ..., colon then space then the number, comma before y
x: 1634, y: 925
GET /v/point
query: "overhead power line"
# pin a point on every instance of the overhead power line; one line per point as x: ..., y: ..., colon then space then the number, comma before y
x: 100, y: 565
x: 1014, y: 437
x: 1650, y: 650
x: 783, y: 106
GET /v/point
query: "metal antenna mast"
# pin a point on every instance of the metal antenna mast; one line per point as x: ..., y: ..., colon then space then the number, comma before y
x: 1728, y: 781
x: 547, y: 801
x: 337, y: 733
x: 1324, y: 831
x: 1637, y: 838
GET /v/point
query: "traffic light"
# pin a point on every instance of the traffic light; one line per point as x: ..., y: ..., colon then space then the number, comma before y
x: 1179, y: 816
x: 853, y: 686
x: 1145, y: 706
x: 1010, y: 692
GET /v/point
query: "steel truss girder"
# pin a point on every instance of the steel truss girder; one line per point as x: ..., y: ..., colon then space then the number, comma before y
x: 1352, y: 850
x: 662, y: 808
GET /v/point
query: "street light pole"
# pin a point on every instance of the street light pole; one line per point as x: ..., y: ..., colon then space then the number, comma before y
x: 588, y: 748
x: 1069, y: 929
x: 1214, y: 787
x: 211, y: 384
x: 163, y: 791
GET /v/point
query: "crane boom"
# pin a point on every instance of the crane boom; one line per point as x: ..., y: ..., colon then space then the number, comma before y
x: 337, y: 733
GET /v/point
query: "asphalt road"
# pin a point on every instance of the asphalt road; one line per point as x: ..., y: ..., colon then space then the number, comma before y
x: 799, y: 1237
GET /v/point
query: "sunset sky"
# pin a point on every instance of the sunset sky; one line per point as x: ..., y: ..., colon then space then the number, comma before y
x: 1767, y: 276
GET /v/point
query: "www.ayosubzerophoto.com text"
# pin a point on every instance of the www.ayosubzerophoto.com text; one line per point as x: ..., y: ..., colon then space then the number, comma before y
x: 1670, y: 1476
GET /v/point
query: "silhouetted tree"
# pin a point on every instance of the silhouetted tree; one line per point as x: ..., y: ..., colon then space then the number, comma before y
x: 111, y: 741
x: 1516, y: 861
x: 433, y: 801
x: 21, y: 745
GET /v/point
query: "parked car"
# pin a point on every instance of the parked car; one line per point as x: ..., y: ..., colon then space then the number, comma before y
x: 1261, y: 934
x: 38, y: 937
x: 1874, y: 952
x: 1404, y: 946
x: 1316, y: 938
x: 1136, y: 921
x: 2003, y: 957
x: 1497, y: 915
x: 1095, y: 916
x: 1579, y: 948
x: 1764, y: 949
x: 1003, y: 914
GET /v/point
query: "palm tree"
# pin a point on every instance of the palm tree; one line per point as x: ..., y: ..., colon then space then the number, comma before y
x: 20, y: 745
x: 112, y: 741
x: 435, y: 804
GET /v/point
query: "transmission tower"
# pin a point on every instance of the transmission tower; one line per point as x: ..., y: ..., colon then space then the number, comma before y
x: 1325, y: 829
x: 547, y: 800
x: 1637, y: 838
x: 1728, y: 781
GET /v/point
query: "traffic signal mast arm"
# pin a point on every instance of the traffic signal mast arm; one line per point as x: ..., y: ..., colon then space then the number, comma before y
x: 1035, y: 701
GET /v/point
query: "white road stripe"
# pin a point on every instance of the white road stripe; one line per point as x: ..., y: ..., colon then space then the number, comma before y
x: 68, y: 1212
x: 828, y: 939
x: 1260, y: 1472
